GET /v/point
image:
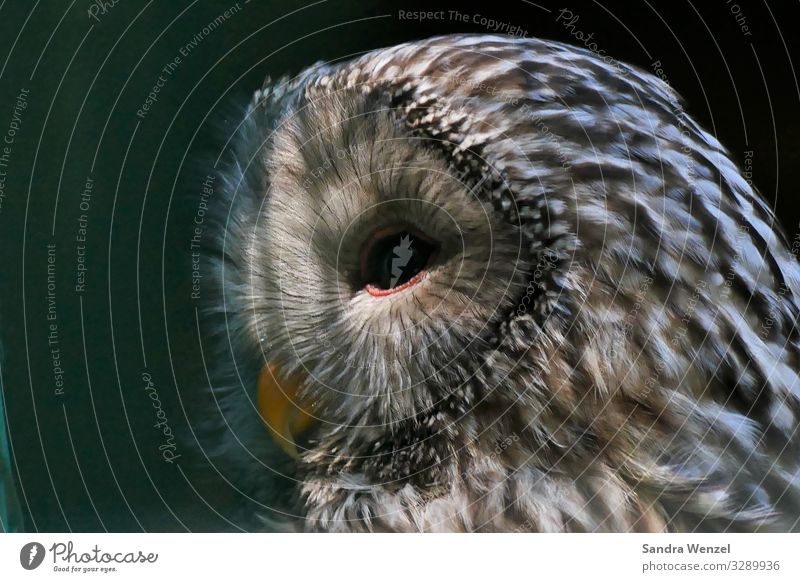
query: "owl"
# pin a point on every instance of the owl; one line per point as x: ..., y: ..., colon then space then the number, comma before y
x: 482, y: 283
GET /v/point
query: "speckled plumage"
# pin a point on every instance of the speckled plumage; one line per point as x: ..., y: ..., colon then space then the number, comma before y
x: 608, y: 341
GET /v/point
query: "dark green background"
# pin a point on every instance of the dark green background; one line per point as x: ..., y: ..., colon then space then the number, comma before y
x: 89, y: 460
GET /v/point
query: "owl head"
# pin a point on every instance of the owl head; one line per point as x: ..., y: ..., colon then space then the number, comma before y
x: 471, y: 241
x: 374, y: 271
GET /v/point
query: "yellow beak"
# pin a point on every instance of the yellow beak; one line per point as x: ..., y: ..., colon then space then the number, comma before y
x: 280, y: 407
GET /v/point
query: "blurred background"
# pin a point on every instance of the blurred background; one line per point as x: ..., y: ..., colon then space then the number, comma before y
x: 107, y: 113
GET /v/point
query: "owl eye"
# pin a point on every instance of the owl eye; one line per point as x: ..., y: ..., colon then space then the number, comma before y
x: 395, y: 259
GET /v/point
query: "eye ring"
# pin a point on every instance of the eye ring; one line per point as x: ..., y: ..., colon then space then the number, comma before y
x: 394, y: 259
x: 378, y: 292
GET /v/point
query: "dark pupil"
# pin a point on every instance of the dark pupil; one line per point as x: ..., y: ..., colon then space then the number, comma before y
x: 396, y: 259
